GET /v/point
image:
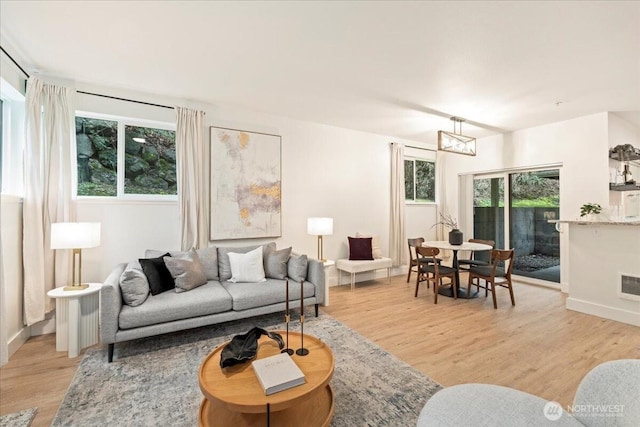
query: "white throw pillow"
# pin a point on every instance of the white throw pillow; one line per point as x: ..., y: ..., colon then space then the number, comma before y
x: 247, y: 267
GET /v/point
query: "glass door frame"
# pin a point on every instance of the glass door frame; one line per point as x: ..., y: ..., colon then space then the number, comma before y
x: 468, y: 204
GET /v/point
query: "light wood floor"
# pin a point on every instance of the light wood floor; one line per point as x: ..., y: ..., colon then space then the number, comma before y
x: 537, y: 346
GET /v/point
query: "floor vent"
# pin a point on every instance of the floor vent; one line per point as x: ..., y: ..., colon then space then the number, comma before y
x: 629, y: 287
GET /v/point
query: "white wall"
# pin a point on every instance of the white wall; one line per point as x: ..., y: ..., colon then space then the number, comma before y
x: 12, y: 331
x: 326, y: 171
x: 579, y: 145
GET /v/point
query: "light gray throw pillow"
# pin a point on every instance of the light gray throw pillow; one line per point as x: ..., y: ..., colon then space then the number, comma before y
x: 209, y: 261
x: 187, y: 273
x: 134, y: 285
x: 224, y: 267
x: 297, y: 267
x: 275, y: 263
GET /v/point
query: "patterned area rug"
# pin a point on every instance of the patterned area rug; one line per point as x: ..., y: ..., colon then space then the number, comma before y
x: 18, y: 419
x: 154, y: 381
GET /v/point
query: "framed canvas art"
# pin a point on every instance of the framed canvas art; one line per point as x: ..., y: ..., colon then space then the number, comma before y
x: 245, y: 184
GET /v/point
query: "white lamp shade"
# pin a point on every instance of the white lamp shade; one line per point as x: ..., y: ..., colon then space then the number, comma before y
x: 75, y: 235
x: 320, y: 226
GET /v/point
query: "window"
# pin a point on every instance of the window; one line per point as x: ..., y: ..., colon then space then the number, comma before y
x: 119, y: 157
x: 419, y: 180
x: 11, y: 139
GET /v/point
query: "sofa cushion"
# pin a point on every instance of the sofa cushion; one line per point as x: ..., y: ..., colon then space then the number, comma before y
x: 208, y: 259
x: 187, y: 273
x: 360, y: 248
x: 297, y: 267
x: 224, y: 268
x: 247, y: 267
x: 207, y: 299
x: 275, y: 263
x: 252, y: 295
x: 160, y: 279
x: 134, y: 285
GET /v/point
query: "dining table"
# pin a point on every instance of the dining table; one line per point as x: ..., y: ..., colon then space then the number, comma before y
x: 465, y: 246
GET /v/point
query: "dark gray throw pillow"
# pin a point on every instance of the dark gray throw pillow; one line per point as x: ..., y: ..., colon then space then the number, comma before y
x: 275, y: 263
x: 297, y: 267
x: 159, y: 277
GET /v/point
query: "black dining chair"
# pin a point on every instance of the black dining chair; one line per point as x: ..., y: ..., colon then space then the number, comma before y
x: 478, y: 259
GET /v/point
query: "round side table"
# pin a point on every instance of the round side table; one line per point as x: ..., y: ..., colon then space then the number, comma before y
x: 234, y: 397
x: 77, y: 318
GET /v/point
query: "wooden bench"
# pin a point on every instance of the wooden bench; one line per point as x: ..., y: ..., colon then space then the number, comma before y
x: 354, y: 267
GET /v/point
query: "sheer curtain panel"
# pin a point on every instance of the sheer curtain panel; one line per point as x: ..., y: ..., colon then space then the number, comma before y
x: 48, y: 198
x: 192, y: 169
x: 397, y: 239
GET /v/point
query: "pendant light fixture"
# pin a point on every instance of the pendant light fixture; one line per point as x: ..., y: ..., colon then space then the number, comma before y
x: 456, y: 142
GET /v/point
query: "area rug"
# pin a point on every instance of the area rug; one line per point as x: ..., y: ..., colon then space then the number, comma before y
x: 154, y: 381
x: 18, y: 419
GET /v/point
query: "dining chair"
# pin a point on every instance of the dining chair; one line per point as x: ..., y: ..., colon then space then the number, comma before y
x: 413, y: 257
x: 433, y: 272
x: 494, y: 274
x: 474, y: 261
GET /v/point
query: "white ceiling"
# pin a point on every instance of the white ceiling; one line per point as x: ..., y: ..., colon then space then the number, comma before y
x: 392, y: 68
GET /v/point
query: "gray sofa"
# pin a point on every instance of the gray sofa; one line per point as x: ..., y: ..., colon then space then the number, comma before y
x: 216, y: 301
x: 609, y: 395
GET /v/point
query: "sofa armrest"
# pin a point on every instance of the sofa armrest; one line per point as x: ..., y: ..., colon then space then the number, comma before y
x: 315, y: 275
x: 110, y: 305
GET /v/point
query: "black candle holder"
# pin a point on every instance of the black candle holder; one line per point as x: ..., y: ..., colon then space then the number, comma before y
x: 287, y: 350
x: 302, y: 351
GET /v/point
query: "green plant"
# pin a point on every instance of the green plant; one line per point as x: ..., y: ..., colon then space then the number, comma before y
x: 590, y: 208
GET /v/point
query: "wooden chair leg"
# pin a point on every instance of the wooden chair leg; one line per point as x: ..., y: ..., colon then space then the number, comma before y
x: 469, y: 284
x: 513, y: 300
x: 493, y: 294
x: 417, y: 284
x: 435, y: 289
x: 409, y: 274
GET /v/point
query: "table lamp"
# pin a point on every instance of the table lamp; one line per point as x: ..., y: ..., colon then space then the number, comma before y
x: 320, y: 227
x: 76, y: 236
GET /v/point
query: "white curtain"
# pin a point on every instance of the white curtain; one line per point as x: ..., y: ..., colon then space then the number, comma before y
x: 48, y: 194
x: 397, y: 238
x: 442, y: 232
x: 193, y: 171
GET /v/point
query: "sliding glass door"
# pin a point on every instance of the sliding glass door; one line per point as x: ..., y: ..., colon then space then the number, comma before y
x: 533, y: 198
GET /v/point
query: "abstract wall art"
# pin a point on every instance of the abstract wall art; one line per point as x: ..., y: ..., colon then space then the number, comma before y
x: 245, y: 184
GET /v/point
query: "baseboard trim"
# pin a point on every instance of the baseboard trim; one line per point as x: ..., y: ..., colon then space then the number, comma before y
x: 18, y: 340
x: 619, y: 315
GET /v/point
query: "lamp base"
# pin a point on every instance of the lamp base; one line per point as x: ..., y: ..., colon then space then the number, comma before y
x: 76, y: 287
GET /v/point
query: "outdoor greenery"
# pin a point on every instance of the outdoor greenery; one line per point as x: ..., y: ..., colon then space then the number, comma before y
x: 422, y: 189
x: 149, y: 162
x: 529, y: 190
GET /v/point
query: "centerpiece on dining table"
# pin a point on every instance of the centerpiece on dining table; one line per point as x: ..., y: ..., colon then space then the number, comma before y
x: 455, y: 235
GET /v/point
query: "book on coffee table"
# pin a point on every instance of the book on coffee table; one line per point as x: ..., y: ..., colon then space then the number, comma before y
x: 277, y: 373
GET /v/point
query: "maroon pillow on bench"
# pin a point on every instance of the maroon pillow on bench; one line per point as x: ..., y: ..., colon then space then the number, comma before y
x: 360, y: 249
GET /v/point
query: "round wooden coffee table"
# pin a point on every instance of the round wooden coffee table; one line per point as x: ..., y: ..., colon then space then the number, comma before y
x: 234, y: 397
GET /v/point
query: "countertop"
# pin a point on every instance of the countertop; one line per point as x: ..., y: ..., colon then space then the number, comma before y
x: 597, y: 221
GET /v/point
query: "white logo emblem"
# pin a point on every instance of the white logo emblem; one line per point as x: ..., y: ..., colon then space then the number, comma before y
x: 552, y: 411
